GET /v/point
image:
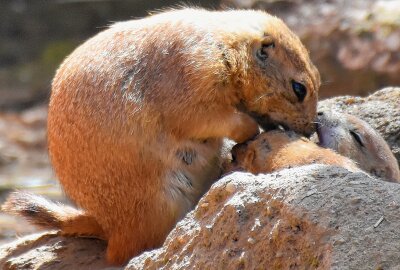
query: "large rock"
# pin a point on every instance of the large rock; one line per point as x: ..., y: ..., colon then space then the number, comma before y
x: 50, y: 251
x: 303, y: 218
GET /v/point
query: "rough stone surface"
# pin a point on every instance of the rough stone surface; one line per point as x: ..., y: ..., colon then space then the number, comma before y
x: 381, y: 110
x: 313, y: 217
x: 50, y: 251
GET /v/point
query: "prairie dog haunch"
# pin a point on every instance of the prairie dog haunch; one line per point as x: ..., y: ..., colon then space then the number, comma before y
x: 133, y: 105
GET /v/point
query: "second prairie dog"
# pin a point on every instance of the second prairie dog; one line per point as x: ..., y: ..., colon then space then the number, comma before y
x: 133, y: 105
x: 342, y: 140
x: 276, y: 150
x: 354, y: 138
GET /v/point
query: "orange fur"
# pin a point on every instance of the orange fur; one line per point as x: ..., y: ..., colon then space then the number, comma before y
x: 137, y: 114
x: 276, y: 150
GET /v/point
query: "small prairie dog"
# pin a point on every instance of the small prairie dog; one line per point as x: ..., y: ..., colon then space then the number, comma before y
x: 137, y: 114
x: 354, y: 138
x: 276, y: 150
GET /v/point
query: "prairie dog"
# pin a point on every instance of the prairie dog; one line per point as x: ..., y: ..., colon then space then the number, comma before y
x: 276, y: 150
x: 356, y: 139
x: 130, y: 103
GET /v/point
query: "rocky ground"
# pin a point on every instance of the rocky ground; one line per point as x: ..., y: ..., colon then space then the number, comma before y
x: 311, y: 217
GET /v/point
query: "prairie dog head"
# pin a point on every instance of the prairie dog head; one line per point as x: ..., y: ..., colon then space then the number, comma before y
x: 249, y: 57
x: 354, y: 138
x: 275, y: 150
x: 191, y: 59
x: 278, y: 83
x: 258, y: 155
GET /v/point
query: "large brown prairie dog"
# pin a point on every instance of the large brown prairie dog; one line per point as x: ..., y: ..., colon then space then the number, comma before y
x: 354, y: 138
x: 276, y: 150
x: 132, y: 106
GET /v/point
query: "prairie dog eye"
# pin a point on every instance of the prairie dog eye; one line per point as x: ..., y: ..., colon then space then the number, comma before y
x: 357, y: 137
x: 299, y: 89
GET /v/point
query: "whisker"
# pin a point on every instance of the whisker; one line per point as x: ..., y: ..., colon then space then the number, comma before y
x: 260, y: 97
x: 273, y: 66
x: 326, y: 82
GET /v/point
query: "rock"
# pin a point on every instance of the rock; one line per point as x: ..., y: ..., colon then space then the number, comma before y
x: 302, y: 218
x: 355, y: 44
x: 381, y: 110
x: 50, y: 251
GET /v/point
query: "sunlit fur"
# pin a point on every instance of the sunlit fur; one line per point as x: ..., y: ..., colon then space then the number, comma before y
x: 276, y: 150
x: 129, y: 100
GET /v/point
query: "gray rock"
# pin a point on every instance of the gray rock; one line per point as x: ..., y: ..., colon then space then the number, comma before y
x: 302, y: 218
x: 306, y: 218
x: 50, y: 251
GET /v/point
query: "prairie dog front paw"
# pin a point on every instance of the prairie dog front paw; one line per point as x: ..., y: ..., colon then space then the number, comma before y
x: 244, y: 128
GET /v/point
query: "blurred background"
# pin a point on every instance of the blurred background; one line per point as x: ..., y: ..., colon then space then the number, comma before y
x: 355, y: 44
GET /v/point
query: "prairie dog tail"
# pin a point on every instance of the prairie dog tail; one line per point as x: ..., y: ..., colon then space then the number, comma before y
x: 48, y: 215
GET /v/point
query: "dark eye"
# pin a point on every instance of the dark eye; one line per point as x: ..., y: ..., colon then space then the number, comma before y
x: 356, y: 137
x: 262, y: 53
x: 299, y: 89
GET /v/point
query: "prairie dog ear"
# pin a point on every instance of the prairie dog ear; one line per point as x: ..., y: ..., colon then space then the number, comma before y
x: 267, y: 42
x: 248, y: 159
x: 243, y: 156
x: 265, y: 49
